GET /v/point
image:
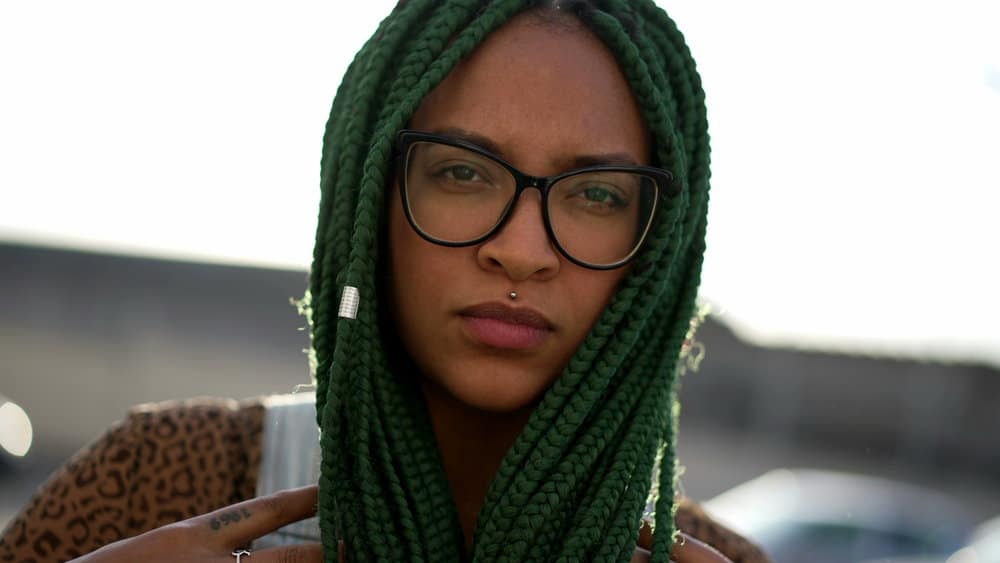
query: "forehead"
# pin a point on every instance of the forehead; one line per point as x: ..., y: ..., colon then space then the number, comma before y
x: 540, y: 92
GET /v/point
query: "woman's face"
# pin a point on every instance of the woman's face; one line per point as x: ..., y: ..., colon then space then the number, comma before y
x: 545, y: 99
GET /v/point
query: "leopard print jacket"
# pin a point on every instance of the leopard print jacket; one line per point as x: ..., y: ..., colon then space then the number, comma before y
x: 170, y: 461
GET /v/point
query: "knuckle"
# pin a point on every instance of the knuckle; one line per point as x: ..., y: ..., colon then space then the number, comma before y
x: 192, y: 527
x: 273, y: 506
x: 178, y: 533
x: 293, y: 554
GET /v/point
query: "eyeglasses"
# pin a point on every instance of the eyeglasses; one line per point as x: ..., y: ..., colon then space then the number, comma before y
x: 457, y: 194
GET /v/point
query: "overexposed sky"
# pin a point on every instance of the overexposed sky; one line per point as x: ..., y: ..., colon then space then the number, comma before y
x: 855, y: 143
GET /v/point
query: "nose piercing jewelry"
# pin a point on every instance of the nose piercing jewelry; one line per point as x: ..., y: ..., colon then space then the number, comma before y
x: 512, y: 295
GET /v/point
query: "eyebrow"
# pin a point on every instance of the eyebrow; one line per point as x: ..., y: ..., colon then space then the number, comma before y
x: 579, y: 161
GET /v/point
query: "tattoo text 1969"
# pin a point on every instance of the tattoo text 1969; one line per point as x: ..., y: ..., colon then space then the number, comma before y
x: 229, y: 518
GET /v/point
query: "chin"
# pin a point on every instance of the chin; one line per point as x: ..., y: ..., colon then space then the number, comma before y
x: 495, y: 390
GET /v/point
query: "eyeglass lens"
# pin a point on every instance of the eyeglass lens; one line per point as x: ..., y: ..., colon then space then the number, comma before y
x: 457, y: 195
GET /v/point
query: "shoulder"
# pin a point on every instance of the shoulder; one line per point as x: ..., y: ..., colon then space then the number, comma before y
x: 186, y: 451
x: 162, y: 463
x: 204, y: 435
x: 692, y: 519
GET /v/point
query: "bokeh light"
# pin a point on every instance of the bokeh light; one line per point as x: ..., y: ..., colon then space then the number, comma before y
x: 15, y: 429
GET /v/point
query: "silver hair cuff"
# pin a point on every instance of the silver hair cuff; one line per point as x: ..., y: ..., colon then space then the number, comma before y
x: 349, y: 301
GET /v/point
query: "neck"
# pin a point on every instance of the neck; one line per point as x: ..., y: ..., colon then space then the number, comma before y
x: 472, y: 443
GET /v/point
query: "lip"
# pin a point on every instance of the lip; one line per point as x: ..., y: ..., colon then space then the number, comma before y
x: 499, y: 326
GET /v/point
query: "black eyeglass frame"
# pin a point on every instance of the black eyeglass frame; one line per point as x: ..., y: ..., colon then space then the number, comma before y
x: 406, y: 138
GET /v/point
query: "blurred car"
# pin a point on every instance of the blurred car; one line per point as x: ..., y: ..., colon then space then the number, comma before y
x: 819, y: 516
x: 984, y: 546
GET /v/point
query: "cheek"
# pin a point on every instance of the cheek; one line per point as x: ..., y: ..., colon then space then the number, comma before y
x: 403, y: 261
x: 417, y: 275
x: 591, y: 292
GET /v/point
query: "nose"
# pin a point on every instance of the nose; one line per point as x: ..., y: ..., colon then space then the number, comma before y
x: 522, y: 249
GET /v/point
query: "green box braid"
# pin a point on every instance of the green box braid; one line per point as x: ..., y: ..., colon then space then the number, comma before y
x: 574, y: 485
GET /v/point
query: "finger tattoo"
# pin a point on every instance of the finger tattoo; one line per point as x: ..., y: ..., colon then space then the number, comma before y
x: 227, y: 518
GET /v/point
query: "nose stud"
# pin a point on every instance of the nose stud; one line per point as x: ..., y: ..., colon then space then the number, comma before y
x: 512, y: 295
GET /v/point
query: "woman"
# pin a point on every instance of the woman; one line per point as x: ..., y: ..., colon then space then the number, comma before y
x: 509, y: 243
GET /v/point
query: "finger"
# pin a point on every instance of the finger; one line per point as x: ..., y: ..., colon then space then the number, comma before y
x: 241, y: 523
x: 640, y: 555
x: 299, y: 553
x: 689, y: 550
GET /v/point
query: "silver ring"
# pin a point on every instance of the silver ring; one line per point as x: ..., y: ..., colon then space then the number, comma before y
x: 240, y: 553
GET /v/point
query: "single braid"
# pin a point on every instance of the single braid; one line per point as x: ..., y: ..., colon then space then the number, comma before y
x: 576, y: 481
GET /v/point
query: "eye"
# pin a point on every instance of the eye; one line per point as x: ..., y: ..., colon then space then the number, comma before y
x: 601, y: 195
x: 599, y: 198
x: 461, y: 177
x: 594, y: 195
x: 461, y: 172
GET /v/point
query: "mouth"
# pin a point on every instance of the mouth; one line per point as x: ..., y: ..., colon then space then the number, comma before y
x: 498, y: 326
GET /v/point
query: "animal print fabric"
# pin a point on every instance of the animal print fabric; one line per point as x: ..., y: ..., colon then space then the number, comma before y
x: 163, y: 463
x: 170, y: 461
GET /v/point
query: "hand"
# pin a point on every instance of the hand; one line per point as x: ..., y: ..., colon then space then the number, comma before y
x: 687, y: 550
x: 212, y: 537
